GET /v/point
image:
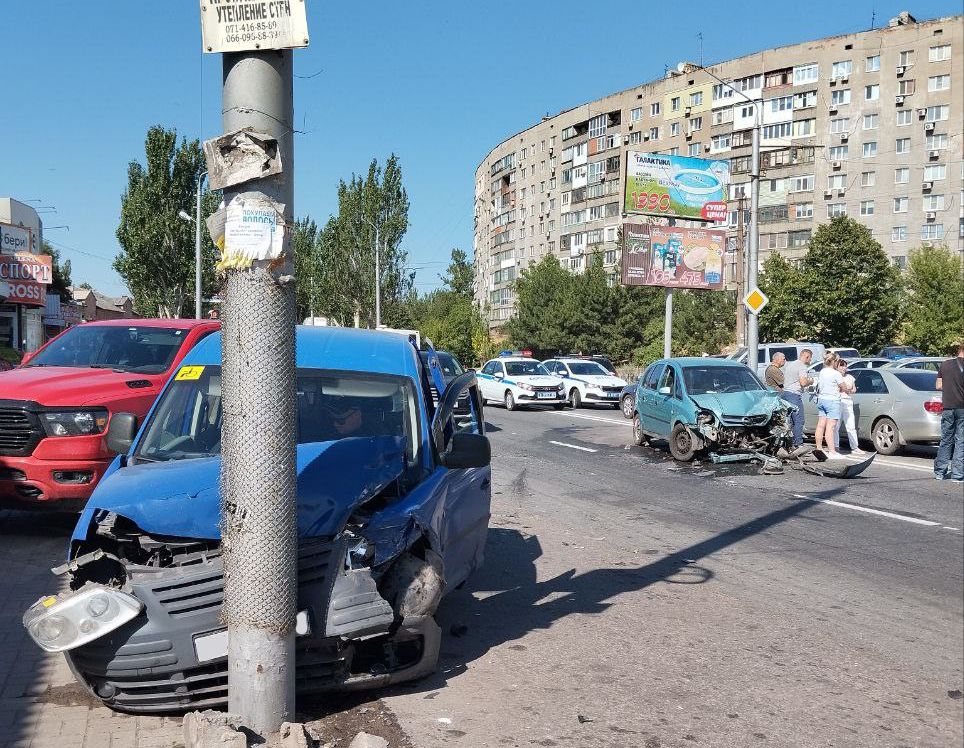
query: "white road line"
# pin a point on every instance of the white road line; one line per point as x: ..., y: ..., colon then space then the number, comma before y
x: 878, y: 512
x: 592, y: 418
x: 945, y: 527
x: 573, y: 446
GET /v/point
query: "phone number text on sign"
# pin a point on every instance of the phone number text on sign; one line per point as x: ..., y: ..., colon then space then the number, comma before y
x: 240, y: 25
x: 686, y: 279
x: 651, y: 200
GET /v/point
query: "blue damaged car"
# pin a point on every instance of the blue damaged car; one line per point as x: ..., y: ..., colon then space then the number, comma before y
x: 393, y: 510
x: 711, y: 405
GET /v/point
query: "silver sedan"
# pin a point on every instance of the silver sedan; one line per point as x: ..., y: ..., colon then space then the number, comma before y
x: 925, y: 363
x: 893, y: 408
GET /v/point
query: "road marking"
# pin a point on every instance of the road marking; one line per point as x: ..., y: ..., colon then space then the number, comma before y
x: 572, y: 446
x: 592, y: 418
x: 956, y: 529
x: 868, y: 510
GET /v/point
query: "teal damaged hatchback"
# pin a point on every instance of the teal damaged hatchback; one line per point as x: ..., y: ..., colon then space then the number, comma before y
x: 711, y: 405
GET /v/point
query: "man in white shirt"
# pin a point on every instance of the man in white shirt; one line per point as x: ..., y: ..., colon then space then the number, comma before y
x: 795, y: 380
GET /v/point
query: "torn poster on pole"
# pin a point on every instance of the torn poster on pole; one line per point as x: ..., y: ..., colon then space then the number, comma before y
x: 253, y: 230
x: 241, y: 156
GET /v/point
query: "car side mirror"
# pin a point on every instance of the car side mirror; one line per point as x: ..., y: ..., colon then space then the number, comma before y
x: 121, y: 432
x: 467, y: 450
x: 664, y: 390
x: 498, y: 375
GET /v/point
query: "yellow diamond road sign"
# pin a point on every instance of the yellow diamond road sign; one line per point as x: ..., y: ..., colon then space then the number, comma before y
x: 755, y: 300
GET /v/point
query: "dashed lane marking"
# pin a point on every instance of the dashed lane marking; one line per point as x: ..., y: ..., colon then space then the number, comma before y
x: 868, y: 510
x: 573, y: 446
x: 593, y: 418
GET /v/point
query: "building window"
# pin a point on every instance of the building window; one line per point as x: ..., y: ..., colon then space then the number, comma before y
x: 654, y: 109
x: 868, y: 178
x: 903, y: 145
x: 694, y: 149
x: 696, y: 123
x: 904, y: 117
x: 837, y: 182
x: 898, y: 234
x: 836, y: 209
x: 803, y: 210
x: 870, y: 149
x: 933, y: 202
x: 866, y: 207
x: 783, y: 104
x: 841, y: 69
x: 569, y: 132
x: 722, y: 92
x: 722, y: 116
x: 939, y: 53
x: 840, y: 97
x: 696, y: 98
x: 931, y: 231
x: 805, y: 100
x: 872, y: 92
x: 939, y: 83
x: 674, y: 129
x: 609, y: 257
x: 900, y: 204
x: 778, y: 78
x: 906, y: 58
x: 740, y: 165
x: 802, y: 183
x: 803, y: 128
x: 750, y: 83
x: 799, y: 238
x: 935, y: 172
x: 900, y: 262
x: 597, y: 125
x: 901, y: 175
x: 674, y: 151
x: 781, y: 130
x: 675, y: 103
x: 635, y: 138
x: 839, y: 125
x: 805, y: 74
x: 720, y: 142
x: 872, y: 64
x: 937, y: 113
x: 936, y: 142
x: 654, y: 133
x: 838, y: 152
x: 636, y: 114
x: 870, y: 121
x: 906, y: 87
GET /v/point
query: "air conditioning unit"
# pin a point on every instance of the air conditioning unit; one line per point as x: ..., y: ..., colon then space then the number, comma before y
x: 550, y: 151
x: 828, y: 193
x: 833, y: 81
x: 899, y: 100
x: 645, y: 137
x: 922, y: 113
x: 933, y: 154
x: 931, y: 216
x: 926, y: 186
x: 626, y: 140
x: 901, y: 69
x: 844, y: 137
x: 841, y: 193
x: 687, y: 110
x: 706, y: 149
x: 833, y: 109
x: 928, y: 127
x: 835, y: 165
x: 844, y: 79
x: 689, y: 136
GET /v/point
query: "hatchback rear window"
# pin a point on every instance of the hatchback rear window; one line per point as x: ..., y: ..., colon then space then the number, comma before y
x: 922, y: 381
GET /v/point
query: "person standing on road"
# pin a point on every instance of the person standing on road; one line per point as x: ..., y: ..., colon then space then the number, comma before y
x: 829, y: 384
x: 847, y: 421
x: 795, y: 381
x: 949, y: 463
x: 773, y: 376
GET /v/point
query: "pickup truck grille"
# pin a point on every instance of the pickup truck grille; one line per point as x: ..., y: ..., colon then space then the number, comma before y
x: 19, y: 432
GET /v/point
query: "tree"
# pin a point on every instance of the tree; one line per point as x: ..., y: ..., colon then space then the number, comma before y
x: 636, y: 307
x: 587, y: 310
x: 935, y: 299
x: 460, y: 275
x: 541, y: 297
x: 783, y: 317
x: 60, y: 283
x: 157, y: 246
x: 304, y: 239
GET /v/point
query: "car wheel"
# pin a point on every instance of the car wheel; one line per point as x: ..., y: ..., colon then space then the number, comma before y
x: 575, y: 399
x: 509, y: 401
x: 681, y: 443
x: 886, y: 436
x: 639, y: 438
x: 629, y: 406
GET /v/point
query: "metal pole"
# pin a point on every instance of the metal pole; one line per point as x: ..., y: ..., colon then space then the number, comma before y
x: 197, y: 250
x: 752, y: 329
x: 378, y: 285
x: 740, y: 272
x: 259, y: 518
x: 668, y: 325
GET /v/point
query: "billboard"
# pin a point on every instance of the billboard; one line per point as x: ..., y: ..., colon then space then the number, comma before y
x: 27, y: 277
x: 672, y: 257
x: 676, y: 186
x: 14, y: 239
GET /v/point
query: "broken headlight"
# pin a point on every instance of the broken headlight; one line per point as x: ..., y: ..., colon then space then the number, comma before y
x: 61, y: 622
x: 705, y: 417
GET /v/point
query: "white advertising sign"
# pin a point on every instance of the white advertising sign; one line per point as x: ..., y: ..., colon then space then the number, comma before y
x: 14, y: 239
x: 248, y: 25
x: 253, y: 228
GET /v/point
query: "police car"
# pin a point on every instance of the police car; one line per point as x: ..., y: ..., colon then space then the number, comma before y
x: 586, y: 381
x: 520, y: 380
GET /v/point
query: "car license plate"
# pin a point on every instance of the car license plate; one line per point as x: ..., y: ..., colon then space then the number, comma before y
x: 612, y: 395
x: 546, y: 395
x: 213, y: 646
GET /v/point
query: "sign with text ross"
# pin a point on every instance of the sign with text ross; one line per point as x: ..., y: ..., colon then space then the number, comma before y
x: 676, y: 186
x: 672, y: 257
x: 27, y: 277
x: 249, y: 25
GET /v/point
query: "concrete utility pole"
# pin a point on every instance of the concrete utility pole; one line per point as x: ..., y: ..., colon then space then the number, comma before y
x: 258, y: 472
x: 752, y: 329
x: 378, y: 284
x: 668, y: 325
x: 197, y: 248
x: 741, y: 274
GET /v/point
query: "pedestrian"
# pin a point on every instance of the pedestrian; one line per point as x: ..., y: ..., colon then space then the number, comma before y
x: 828, y: 403
x: 795, y: 380
x: 773, y: 376
x: 847, y: 421
x: 949, y: 463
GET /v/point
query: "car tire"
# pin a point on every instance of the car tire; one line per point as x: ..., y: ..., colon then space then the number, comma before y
x: 628, y: 405
x: 575, y: 399
x: 681, y: 443
x: 886, y: 437
x: 509, y: 401
x: 639, y: 438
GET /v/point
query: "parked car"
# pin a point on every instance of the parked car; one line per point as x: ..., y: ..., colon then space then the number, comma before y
x: 924, y: 363
x: 604, y: 361
x: 869, y: 362
x: 56, y: 407
x: 898, y: 351
x: 451, y: 369
x: 893, y: 408
x: 767, y: 351
x: 847, y: 353
x: 586, y: 382
x: 520, y: 380
x: 627, y: 398
x: 715, y: 405
x: 390, y: 517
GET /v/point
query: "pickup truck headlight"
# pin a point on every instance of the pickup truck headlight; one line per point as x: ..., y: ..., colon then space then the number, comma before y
x: 60, y: 622
x: 74, y: 422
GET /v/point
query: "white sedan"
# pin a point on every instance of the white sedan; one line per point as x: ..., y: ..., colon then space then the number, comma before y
x: 518, y: 380
x: 586, y: 381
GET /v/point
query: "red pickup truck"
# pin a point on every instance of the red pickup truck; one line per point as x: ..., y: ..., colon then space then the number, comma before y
x: 54, y: 408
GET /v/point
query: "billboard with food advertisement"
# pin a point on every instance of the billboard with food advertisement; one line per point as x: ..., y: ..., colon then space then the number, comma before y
x: 676, y: 186
x: 672, y: 257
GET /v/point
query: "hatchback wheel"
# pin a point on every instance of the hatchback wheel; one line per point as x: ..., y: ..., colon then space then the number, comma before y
x: 681, y: 443
x: 509, y: 401
x: 886, y: 436
x: 575, y: 400
x: 639, y: 438
x: 629, y: 405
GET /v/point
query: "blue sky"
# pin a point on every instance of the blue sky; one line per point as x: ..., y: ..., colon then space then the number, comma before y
x: 437, y: 83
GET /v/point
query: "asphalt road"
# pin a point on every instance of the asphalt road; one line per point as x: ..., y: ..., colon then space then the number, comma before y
x: 630, y: 601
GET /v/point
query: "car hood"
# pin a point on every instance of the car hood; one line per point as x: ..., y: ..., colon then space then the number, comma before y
x: 536, y: 380
x: 753, y: 403
x: 70, y: 385
x: 600, y: 380
x: 181, y: 498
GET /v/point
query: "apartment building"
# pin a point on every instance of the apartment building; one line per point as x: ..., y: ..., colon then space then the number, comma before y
x: 867, y: 125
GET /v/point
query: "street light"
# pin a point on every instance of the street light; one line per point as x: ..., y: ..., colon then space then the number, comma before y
x: 183, y: 214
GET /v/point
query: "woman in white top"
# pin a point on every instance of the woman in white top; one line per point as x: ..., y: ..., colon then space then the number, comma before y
x: 847, y: 389
x: 828, y: 403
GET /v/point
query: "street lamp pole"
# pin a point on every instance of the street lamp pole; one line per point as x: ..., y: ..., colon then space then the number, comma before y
x: 197, y: 248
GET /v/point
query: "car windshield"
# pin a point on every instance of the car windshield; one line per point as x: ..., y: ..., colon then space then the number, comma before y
x: 148, y: 350
x: 587, y: 368
x: 523, y: 368
x: 706, y: 380
x: 902, y: 350
x: 922, y: 381
x: 451, y: 368
x: 331, y: 406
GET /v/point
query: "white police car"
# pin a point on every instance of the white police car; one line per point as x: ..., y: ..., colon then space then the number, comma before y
x: 519, y: 380
x: 586, y: 381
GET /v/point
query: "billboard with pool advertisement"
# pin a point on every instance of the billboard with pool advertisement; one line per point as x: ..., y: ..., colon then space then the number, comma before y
x: 672, y: 257
x: 676, y: 186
